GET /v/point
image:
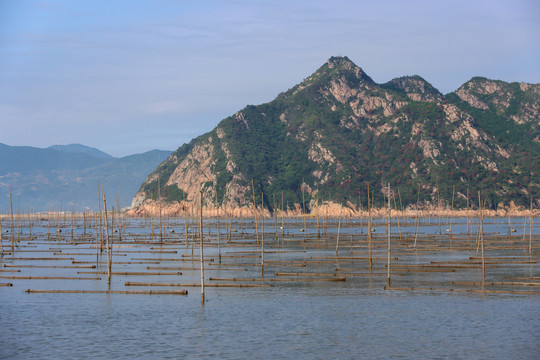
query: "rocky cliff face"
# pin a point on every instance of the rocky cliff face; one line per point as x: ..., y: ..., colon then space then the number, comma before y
x: 326, y: 139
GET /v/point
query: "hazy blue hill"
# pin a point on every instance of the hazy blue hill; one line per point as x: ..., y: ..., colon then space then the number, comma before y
x: 47, y: 178
x: 123, y: 174
x: 82, y: 149
x: 27, y: 158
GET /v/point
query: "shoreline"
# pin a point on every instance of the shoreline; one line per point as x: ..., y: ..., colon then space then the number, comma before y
x: 333, y: 211
x: 329, y: 210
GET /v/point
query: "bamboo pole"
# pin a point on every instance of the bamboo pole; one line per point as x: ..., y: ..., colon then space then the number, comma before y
x: 439, y: 205
x: 282, y: 217
x: 42, y: 258
x: 338, y: 230
x: 160, y: 219
x: 52, y: 266
x: 388, y: 228
x: 255, y: 212
x: 49, y: 222
x: 72, y: 215
x: 19, y: 221
x: 109, y: 252
x: 12, y: 223
x: 100, y: 237
x: 297, y: 279
x: 202, y: 255
x: 262, y: 237
x: 524, y: 231
x: 1, y: 240
x: 482, y: 237
x: 139, y: 292
x: 134, y: 273
x: 58, y: 230
x: 274, y: 215
x: 531, y: 228
x: 49, y: 278
x: 417, y: 220
x: 128, y: 283
x: 397, y: 213
x: 465, y: 290
x: 468, y: 216
x: 186, y: 224
x: 120, y: 222
x: 351, y: 230
x: 218, y: 232
x: 304, y: 211
x: 452, y: 210
x: 318, y: 215
x: 369, y: 230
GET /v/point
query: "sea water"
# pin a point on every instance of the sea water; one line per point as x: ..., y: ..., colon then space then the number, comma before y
x: 355, y: 319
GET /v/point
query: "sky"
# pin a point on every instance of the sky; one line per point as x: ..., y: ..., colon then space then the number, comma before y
x: 130, y: 76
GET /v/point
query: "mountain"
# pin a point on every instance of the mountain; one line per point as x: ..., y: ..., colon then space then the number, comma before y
x: 82, y: 149
x: 26, y: 158
x: 67, y: 176
x: 337, y: 132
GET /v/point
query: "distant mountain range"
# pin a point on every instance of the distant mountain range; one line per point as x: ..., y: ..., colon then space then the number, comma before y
x: 336, y: 133
x: 66, y: 176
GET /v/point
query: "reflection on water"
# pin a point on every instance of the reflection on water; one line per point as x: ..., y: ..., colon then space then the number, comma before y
x: 353, y: 319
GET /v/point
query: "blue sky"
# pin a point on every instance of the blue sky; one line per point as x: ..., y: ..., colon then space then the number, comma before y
x: 131, y: 76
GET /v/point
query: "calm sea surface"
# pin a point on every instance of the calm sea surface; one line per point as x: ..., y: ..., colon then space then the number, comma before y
x: 352, y: 319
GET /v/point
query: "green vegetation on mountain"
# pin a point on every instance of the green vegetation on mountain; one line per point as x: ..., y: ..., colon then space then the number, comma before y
x: 338, y: 131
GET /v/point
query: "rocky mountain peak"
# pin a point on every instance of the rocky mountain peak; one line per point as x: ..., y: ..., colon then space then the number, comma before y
x: 338, y: 131
x: 341, y: 61
x: 416, y: 88
x: 344, y: 66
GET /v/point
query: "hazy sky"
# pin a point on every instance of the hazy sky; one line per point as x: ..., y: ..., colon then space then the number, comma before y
x: 131, y: 76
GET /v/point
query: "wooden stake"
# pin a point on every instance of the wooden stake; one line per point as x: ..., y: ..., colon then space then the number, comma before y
x: 72, y: 214
x: 100, y: 237
x: 12, y: 223
x: 120, y: 223
x: 1, y: 240
x: 417, y: 220
x: 282, y: 217
x: 255, y: 212
x: 439, y: 206
x: 468, y: 212
x: 452, y: 210
x: 186, y: 223
x: 397, y: 213
x: 160, y: 221
x: 49, y: 219
x: 141, y: 292
x: 369, y: 229
x: 338, y: 230
x: 218, y: 231
x: 318, y: 215
x: 262, y: 238
x: 304, y: 211
x: 202, y: 255
x: 531, y: 228
x: 482, y: 238
x: 58, y: 231
x: 388, y: 227
x: 109, y: 250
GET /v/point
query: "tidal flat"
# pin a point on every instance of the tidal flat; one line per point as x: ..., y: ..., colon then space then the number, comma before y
x: 461, y: 288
